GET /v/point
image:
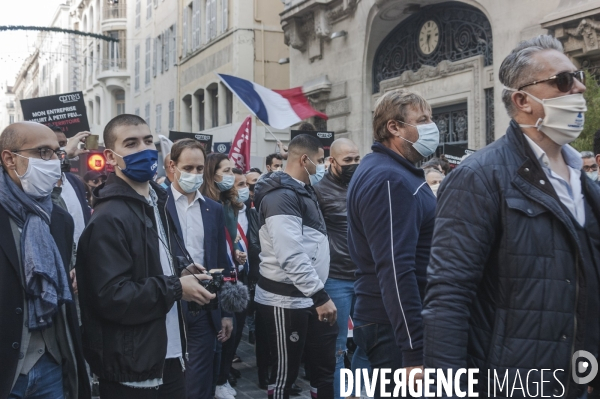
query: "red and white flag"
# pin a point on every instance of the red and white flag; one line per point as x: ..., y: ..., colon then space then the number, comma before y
x: 240, y: 147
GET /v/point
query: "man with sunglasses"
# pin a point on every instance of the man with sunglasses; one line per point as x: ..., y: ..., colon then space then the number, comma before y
x: 40, y: 343
x: 513, y: 281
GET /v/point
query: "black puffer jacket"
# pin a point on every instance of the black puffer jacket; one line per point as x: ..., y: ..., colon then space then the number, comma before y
x: 331, y: 193
x: 505, y: 275
x: 124, y: 295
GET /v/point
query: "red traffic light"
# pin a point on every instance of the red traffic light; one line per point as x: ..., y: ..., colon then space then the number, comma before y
x: 96, y: 162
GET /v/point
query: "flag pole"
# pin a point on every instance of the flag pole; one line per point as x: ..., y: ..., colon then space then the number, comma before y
x: 269, y: 130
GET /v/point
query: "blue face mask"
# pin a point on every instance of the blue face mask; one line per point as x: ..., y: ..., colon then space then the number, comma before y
x: 314, y: 179
x: 226, y: 183
x: 141, y: 166
x: 429, y: 138
x: 243, y: 194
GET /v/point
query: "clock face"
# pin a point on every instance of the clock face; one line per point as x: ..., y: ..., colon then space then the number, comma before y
x: 429, y: 37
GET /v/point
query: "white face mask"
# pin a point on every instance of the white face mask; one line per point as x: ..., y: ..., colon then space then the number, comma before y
x: 314, y: 179
x: 592, y: 175
x: 429, y: 138
x: 40, y: 177
x: 243, y: 194
x: 189, y: 182
x: 563, y: 117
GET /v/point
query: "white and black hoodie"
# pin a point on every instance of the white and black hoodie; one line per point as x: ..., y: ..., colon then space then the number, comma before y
x: 294, y: 247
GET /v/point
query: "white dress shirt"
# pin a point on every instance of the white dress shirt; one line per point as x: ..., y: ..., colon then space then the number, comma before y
x: 192, y: 226
x: 243, y: 220
x: 71, y: 199
x: 570, y: 195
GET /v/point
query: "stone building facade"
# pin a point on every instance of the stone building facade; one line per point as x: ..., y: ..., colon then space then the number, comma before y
x: 346, y: 53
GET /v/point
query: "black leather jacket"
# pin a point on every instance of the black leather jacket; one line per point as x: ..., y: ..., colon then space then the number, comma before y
x: 331, y: 193
x: 505, y: 281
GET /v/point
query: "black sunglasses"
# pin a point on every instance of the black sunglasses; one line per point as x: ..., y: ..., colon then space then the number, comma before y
x: 564, y: 81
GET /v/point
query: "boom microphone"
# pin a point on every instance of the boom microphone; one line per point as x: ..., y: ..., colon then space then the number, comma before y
x: 234, y: 297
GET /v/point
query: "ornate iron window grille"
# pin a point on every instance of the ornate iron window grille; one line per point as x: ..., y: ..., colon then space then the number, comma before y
x: 464, y: 32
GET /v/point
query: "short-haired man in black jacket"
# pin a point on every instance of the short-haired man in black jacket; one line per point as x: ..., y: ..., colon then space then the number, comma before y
x: 129, y: 289
x: 512, y: 283
x: 331, y: 192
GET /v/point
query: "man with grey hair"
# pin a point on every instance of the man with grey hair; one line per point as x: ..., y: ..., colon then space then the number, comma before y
x: 512, y: 283
x: 590, y: 167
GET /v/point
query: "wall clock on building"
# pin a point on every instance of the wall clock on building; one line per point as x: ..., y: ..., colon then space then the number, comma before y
x: 429, y: 37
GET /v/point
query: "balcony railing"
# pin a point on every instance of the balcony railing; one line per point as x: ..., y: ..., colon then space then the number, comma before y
x: 113, y: 64
x: 115, y: 12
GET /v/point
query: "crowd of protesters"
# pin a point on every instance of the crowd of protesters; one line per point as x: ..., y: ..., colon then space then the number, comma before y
x: 492, y: 265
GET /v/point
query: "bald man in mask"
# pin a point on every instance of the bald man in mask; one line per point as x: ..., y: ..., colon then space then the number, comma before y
x: 331, y: 193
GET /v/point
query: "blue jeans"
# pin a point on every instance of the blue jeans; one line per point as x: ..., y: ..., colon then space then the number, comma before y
x: 44, y: 381
x: 342, y: 294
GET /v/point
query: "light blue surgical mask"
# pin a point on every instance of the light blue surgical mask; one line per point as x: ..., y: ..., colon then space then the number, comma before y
x: 226, y: 183
x: 429, y: 138
x: 314, y: 179
x: 189, y: 182
x: 243, y: 194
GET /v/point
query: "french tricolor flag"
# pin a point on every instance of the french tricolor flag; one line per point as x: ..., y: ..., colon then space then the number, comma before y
x: 277, y: 108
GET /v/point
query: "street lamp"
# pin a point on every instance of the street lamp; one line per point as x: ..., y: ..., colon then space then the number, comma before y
x: 337, y: 34
x: 285, y: 60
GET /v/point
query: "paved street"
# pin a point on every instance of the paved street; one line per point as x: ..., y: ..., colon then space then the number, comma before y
x: 247, y: 386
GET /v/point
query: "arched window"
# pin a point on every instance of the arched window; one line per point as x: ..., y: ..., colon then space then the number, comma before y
x: 91, y: 19
x: 449, y: 31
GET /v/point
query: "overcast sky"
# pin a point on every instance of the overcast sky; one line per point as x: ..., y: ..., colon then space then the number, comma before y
x: 16, y: 46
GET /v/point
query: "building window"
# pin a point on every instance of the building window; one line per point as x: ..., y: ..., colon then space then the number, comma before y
x: 174, y: 45
x: 138, y: 13
x: 224, y: 15
x: 137, y: 69
x: 147, y: 114
x: 148, y: 9
x: 148, y: 52
x: 158, y: 117
x: 137, y: 112
x: 91, y: 111
x: 211, y: 19
x: 171, y: 114
x: 464, y: 32
x: 11, y: 119
x: 154, y: 52
x: 490, y: 135
x: 187, y: 28
x: 120, y: 101
x: 228, y: 106
x: 98, y: 112
x: 166, y: 53
x: 160, y: 51
x: 214, y: 105
x: 196, y: 24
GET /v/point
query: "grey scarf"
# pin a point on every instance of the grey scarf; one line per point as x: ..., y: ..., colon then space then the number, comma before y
x: 46, y: 283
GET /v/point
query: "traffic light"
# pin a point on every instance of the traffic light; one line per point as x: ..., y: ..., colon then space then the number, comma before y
x: 96, y: 162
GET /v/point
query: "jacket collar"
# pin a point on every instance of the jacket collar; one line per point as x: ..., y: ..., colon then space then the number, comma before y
x: 334, y: 179
x: 115, y: 187
x: 379, y: 147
